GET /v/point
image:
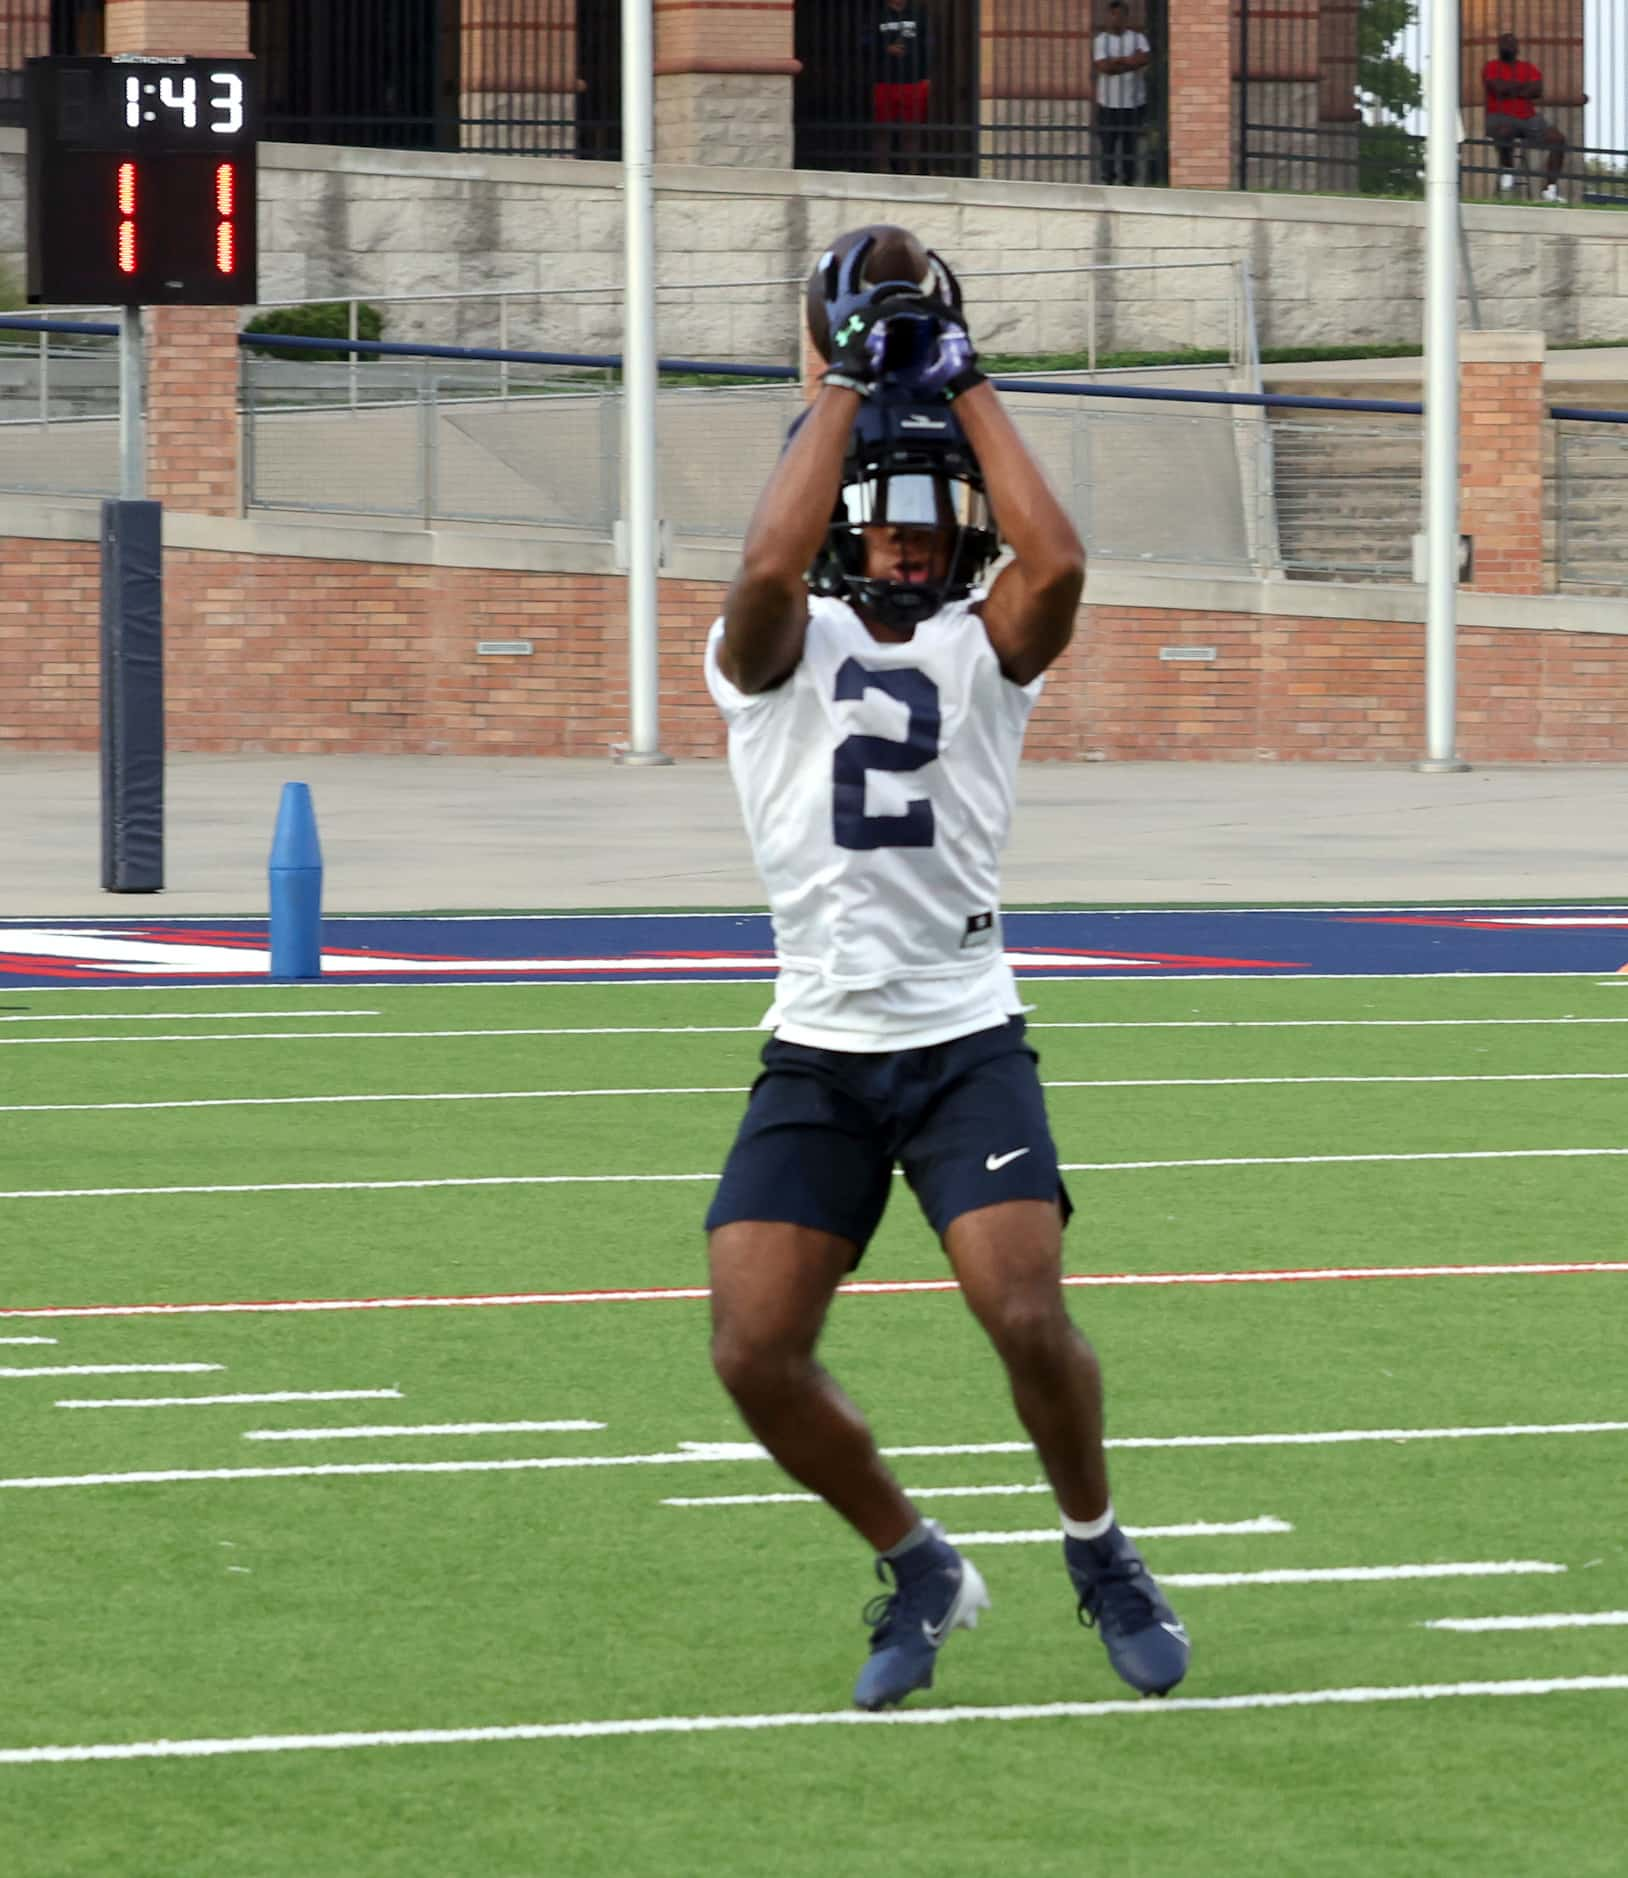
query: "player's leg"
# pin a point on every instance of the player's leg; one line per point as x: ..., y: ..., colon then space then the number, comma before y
x: 813, y: 1150
x: 1008, y: 1260
x: 984, y: 1166
x: 771, y: 1285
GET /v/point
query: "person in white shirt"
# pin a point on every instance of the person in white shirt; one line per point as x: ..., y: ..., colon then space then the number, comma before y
x: 874, y: 735
x: 1119, y: 58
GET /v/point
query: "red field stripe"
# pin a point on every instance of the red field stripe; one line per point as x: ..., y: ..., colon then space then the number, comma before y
x: 670, y: 1294
x: 27, y: 965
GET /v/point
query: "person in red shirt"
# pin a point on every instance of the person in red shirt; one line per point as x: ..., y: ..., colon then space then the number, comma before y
x: 1513, y: 85
x: 901, y: 85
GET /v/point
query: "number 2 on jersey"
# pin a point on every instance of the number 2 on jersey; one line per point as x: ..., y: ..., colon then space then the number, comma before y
x: 851, y: 827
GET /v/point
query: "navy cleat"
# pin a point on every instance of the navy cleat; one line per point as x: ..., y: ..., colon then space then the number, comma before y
x: 1146, y: 1642
x: 935, y: 1591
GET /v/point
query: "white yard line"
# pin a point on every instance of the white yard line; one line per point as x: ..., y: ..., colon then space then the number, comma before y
x: 284, y: 1102
x: 1333, y: 1437
x: 1337, y: 1160
x: 1357, y: 1696
x: 615, y: 1180
x: 113, y: 1369
x: 660, y: 1030
x: 704, y: 1452
x: 915, y: 1493
x: 27, y: 1339
x: 1550, y: 1620
x: 168, y: 1017
x: 419, y: 1428
x: 1364, y: 1574
x: 737, y: 1089
x: 1320, y: 1023
x: 219, y: 1401
x: 865, y: 1287
x: 1194, y: 1529
x: 367, y: 1186
x: 293, y: 1036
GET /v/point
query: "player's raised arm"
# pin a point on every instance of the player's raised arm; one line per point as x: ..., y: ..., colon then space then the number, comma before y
x: 1030, y: 612
x: 766, y: 611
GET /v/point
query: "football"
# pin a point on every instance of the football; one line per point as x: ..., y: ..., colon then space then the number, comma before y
x: 897, y: 255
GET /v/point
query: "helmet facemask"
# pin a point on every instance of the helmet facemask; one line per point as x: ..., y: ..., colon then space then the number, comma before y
x: 909, y: 467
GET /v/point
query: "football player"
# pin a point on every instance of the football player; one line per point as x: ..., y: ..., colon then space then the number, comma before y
x: 876, y: 696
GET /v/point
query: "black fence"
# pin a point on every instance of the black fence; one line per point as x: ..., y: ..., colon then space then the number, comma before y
x: 955, y: 88
x: 30, y: 29
x: 1331, y: 97
x: 542, y: 79
x: 536, y: 77
x: 939, y: 87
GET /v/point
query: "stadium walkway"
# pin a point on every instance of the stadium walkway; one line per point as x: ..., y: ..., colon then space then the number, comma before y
x: 468, y: 833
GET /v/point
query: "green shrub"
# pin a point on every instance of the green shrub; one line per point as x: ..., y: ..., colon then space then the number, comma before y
x: 1390, y: 161
x: 328, y: 319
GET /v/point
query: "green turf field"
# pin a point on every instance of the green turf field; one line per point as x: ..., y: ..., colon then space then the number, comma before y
x: 294, y: 1618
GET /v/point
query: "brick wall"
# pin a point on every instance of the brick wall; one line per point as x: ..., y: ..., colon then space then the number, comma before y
x: 281, y: 653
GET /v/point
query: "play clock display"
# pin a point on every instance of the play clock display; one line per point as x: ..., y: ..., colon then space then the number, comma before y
x: 141, y: 181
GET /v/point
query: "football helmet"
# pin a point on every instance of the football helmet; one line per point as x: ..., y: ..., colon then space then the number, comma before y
x: 908, y: 464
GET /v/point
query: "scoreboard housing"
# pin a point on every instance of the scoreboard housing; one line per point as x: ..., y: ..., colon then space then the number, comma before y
x: 141, y: 181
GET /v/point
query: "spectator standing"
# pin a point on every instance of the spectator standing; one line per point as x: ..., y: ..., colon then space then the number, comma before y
x: 1119, y: 57
x: 1513, y: 86
x: 901, y: 85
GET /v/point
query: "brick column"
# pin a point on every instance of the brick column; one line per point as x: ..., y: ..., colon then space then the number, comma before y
x: 723, y: 82
x: 194, y: 437
x: 1501, y: 436
x: 187, y: 26
x: 1203, y: 135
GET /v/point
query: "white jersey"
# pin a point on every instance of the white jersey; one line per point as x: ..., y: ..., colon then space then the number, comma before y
x: 877, y: 785
x: 1121, y: 91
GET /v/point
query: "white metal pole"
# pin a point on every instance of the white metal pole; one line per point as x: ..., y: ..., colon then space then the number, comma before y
x: 132, y: 437
x: 1441, y: 389
x: 639, y: 377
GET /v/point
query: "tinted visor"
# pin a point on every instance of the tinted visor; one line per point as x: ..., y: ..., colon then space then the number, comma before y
x: 915, y: 500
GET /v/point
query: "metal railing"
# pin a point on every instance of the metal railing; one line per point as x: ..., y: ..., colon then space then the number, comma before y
x: 1226, y: 481
x: 1349, y: 495
x: 1332, y: 97
x: 1111, y: 305
x: 1591, y: 505
x: 1145, y: 485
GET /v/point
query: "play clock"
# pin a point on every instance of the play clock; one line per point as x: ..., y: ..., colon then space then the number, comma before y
x: 141, y: 181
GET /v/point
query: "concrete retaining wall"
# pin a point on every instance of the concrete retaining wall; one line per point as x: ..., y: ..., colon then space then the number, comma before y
x: 1326, y: 269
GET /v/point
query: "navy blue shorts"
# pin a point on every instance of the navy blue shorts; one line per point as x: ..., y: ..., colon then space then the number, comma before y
x: 824, y: 1129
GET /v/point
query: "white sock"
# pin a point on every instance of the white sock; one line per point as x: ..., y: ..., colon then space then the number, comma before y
x: 918, y: 1535
x: 1088, y: 1528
